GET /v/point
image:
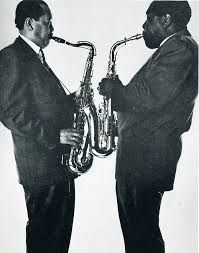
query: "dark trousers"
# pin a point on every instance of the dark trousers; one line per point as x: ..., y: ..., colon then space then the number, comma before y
x: 139, y: 218
x: 50, y: 217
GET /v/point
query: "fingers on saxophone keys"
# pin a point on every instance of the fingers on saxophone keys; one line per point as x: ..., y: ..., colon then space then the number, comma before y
x: 75, y: 139
x: 75, y: 142
x: 71, y: 137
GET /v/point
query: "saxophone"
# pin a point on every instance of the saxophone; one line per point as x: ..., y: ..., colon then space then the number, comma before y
x: 105, y: 139
x: 80, y: 159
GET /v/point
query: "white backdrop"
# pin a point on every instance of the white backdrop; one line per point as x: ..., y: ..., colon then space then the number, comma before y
x: 96, y: 225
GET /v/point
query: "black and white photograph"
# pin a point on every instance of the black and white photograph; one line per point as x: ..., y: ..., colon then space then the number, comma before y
x: 98, y: 126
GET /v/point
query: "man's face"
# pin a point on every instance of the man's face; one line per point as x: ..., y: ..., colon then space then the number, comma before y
x: 43, y: 29
x: 153, y: 31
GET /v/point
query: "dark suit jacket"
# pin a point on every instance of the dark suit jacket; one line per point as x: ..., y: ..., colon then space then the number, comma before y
x: 154, y: 109
x: 34, y: 107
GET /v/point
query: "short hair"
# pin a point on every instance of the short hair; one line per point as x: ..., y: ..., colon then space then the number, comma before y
x: 29, y: 9
x: 180, y: 11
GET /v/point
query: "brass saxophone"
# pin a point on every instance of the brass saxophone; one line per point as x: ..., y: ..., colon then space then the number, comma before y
x: 80, y: 159
x: 107, y: 126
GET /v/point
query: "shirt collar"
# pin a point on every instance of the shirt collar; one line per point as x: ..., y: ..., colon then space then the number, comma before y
x: 31, y: 44
x: 167, y: 39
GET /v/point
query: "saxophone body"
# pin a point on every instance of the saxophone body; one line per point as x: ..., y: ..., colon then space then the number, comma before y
x: 80, y: 159
x: 107, y: 126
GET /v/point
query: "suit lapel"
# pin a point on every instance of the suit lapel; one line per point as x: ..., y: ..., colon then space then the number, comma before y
x: 30, y: 55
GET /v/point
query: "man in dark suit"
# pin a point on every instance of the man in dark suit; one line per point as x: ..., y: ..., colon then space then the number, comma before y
x: 154, y: 110
x: 35, y: 107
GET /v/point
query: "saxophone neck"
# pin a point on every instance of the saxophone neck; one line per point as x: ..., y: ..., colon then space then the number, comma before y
x: 89, y: 63
x: 91, y: 47
x: 111, y: 73
x: 83, y: 44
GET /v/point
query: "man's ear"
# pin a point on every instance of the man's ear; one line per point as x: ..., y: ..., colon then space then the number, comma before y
x: 29, y: 24
x: 166, y: 20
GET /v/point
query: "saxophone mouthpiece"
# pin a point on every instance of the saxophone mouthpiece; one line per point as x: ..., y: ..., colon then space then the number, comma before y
x: 57, y: 39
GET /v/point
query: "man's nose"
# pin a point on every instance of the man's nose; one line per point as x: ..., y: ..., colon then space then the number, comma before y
x: 144, y: 25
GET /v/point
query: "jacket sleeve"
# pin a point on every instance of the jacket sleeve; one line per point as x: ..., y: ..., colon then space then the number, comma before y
x: 15, y: 103
x: 156, y: 86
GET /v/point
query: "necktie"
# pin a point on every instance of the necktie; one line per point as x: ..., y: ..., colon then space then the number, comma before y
x: 43, y: 61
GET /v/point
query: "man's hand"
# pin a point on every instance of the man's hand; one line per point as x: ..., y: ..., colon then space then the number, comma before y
x: 106, y: 86
x: 71, y: 137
